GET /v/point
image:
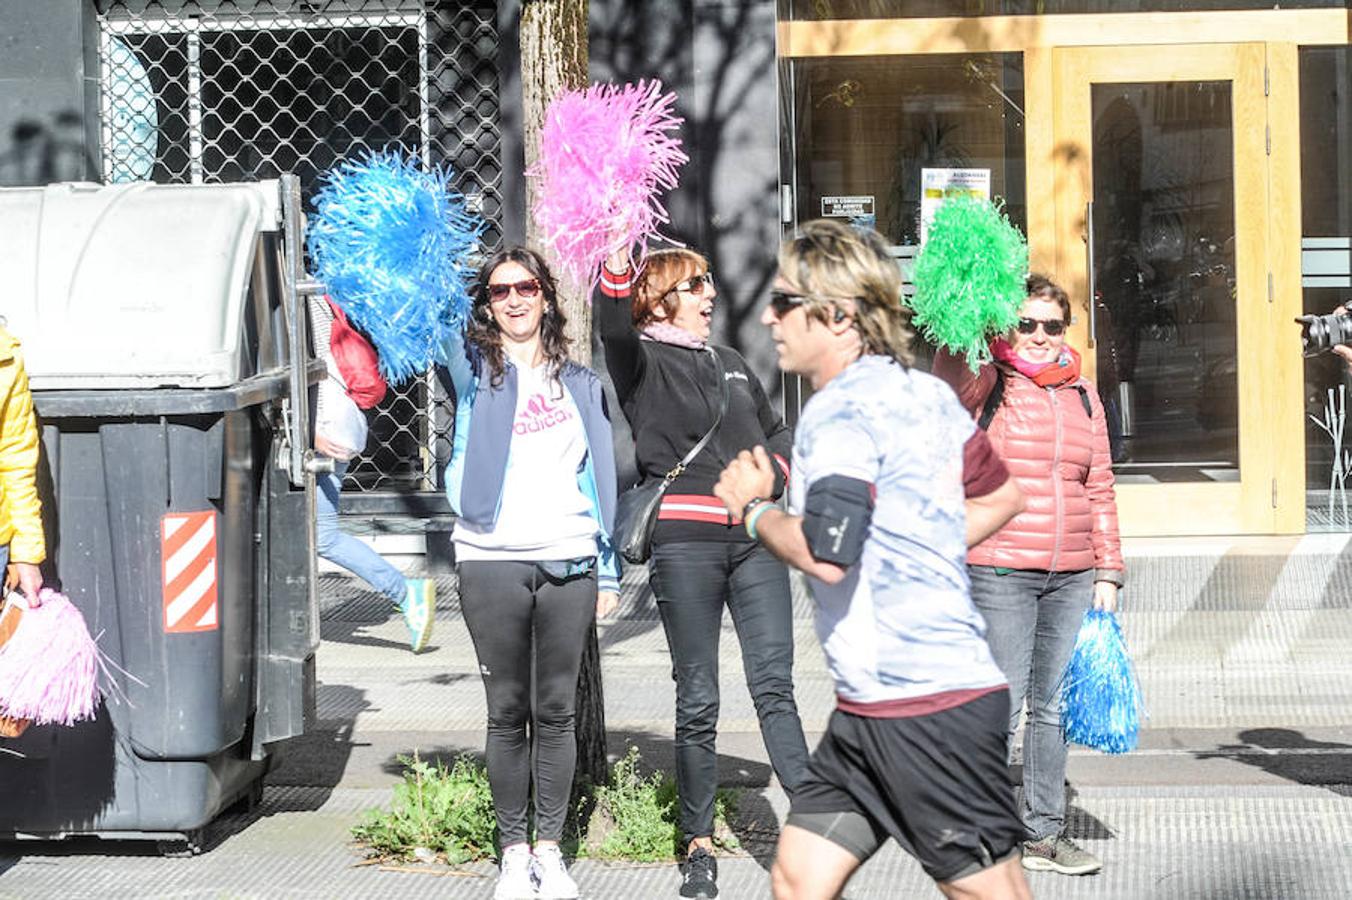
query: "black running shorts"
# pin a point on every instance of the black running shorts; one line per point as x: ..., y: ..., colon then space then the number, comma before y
x: 938, y: 784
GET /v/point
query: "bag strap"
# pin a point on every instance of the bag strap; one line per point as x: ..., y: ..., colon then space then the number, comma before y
x: 993, y: 401
x: 1084, y: 400
x: 708, y: 435
x: 997, y: 396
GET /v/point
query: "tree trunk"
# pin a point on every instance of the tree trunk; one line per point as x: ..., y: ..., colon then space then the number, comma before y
x: 554, y: 59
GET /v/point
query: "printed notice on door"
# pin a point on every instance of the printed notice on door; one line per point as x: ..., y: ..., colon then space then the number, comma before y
x: 937, y: 185
x: 847, y: 207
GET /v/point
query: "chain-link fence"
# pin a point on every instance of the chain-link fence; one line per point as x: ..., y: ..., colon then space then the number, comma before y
x: 236, y: 90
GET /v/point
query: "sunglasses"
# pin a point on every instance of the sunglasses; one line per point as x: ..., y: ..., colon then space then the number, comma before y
x: 783, y: 303
x: 694, y: 286
x: 1053, y: 327
x: 526, y: 290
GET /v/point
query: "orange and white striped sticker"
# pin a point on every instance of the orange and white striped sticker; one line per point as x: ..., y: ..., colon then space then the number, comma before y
x: 188, y: 549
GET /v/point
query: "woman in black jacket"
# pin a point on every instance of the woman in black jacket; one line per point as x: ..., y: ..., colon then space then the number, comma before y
x: 656, y: 327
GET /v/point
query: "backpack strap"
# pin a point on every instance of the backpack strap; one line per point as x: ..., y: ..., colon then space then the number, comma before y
x: 993, y: 401
x: 997, y: 396
x: 1084, y: 400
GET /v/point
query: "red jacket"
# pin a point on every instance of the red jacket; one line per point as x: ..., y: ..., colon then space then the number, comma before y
x: 1058, y: 456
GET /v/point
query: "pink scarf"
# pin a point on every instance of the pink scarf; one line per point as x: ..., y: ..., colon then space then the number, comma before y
x: 666, y: 333
x: 1062, y: 370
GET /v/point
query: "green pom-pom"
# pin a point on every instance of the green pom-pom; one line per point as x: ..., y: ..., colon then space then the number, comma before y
x: 969, y: 278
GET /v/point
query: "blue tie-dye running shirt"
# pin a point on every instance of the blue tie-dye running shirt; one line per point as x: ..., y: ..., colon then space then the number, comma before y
x: 900, y: 627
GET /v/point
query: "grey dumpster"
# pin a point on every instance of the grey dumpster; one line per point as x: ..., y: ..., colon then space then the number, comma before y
x: 163, y: 330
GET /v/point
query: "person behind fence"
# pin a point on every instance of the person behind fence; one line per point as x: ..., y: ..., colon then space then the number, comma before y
x: 22, y: 545
x: 674, y: 387
x: 1035, y: 578
x: 891, y: 484
x: 532, y: 481
x: 340, y: 434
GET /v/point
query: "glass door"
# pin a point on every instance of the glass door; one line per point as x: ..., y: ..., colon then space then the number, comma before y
x: 1164, y: 229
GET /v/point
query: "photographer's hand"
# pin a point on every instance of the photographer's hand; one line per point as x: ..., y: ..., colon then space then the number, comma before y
x: 1342, y: 349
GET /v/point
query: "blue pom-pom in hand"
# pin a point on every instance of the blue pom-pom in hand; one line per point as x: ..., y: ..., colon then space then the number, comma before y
x: 391, y: 243
x: 1100, y: 697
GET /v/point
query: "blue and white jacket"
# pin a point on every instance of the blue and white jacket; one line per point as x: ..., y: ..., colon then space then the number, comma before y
x: 483, y: 440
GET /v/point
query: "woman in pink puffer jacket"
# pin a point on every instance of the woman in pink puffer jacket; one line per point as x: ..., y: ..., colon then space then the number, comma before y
x: 1034, y: 579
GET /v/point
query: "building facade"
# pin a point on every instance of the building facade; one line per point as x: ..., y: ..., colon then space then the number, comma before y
x: 1184, y: 169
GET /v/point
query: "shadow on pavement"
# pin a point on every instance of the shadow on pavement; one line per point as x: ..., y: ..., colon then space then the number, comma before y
x: 318, y: 758
x: 1291, y: 755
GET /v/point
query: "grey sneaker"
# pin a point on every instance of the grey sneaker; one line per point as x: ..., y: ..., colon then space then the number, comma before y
x: 1059, y: 854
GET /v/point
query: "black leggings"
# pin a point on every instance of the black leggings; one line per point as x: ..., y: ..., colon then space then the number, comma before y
x: 516, y: 613
x: 693, y: 581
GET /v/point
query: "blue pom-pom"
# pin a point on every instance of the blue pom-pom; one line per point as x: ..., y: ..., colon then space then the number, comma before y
x: 1100, y: 697
x: 391, y: 243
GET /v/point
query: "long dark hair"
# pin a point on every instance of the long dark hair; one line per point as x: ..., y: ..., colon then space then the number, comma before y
x: 483, y: 332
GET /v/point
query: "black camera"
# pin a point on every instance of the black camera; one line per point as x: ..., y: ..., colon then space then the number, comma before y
x: 1319, y: 334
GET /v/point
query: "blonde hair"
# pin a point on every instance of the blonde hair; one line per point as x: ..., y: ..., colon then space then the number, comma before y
x: 661, y: 272
x: 838, y: 265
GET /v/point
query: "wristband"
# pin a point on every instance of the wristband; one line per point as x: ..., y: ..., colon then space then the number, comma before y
x: 752, y: 504
x: 757, y: 511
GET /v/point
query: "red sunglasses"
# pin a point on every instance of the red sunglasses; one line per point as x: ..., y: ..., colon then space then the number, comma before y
x: 526, y: 290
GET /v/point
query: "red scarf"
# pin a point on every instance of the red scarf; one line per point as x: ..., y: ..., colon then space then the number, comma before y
x: 1062, y: 370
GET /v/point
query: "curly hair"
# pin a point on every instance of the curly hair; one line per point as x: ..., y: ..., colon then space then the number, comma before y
x: 837, y: 265
x: 482, y: 330
x: 656, y: 281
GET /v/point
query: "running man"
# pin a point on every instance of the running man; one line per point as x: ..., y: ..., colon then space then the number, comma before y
x: 892, y: 482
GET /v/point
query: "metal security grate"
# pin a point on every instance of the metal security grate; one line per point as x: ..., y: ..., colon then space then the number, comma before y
x: 238, y: 90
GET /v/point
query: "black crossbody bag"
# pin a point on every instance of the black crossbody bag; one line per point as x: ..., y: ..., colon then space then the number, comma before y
x: 637, y: 509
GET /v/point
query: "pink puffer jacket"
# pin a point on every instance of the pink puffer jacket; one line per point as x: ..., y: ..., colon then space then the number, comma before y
x: 1059, y: 457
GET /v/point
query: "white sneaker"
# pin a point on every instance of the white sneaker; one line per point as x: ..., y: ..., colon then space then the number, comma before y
x: 551, y: 876
x: 514, y: 877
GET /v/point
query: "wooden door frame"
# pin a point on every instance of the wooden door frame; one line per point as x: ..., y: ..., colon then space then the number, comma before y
x: 1270, y: 498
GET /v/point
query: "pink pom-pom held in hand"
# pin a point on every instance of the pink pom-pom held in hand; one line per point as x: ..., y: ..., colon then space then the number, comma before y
x: 49, y: 667
x: 605, y: 155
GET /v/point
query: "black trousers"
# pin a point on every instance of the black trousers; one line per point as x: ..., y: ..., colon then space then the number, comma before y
x: 693, y: 581
x: 519, y: 616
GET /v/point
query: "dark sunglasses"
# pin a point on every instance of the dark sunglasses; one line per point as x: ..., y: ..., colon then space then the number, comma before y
x: 1053, y: 327
x: 783, y: 303
x: 694, y: 286
x: 526, y: 290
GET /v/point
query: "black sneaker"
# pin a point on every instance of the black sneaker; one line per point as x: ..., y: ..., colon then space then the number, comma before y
x: 701, y: 875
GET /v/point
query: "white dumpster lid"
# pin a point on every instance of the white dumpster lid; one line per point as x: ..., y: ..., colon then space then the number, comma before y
x: 131, y: 285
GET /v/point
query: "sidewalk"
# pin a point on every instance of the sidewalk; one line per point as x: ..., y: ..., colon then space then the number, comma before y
x: 1240, y: 790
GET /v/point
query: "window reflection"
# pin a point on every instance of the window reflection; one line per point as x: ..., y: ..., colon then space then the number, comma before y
x: 1164, y: 251
x: 1326, y: 275
x: 866, y: 126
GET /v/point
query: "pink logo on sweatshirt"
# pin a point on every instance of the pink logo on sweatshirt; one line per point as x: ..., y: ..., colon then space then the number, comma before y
x: 540, y: 415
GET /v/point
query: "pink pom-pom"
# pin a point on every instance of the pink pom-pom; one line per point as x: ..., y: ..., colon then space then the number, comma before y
x: 49, y: 668
x: 605, y: 154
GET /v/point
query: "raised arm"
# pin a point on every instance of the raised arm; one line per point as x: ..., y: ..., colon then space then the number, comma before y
x: 458, y: 364
x: 971, y: 387
x: 613, y: 303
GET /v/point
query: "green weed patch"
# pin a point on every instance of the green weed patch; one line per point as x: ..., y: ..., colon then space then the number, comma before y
x: 449, y: 813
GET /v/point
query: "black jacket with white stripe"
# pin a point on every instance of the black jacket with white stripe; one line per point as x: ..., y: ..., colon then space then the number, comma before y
x: 670, y: 396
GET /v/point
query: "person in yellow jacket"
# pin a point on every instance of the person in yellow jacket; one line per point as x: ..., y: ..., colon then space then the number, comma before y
x: 22, y: 545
